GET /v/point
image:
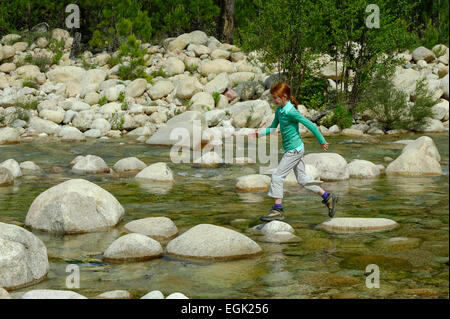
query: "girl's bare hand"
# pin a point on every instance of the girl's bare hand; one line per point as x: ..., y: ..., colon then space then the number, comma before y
x: 324, y: 147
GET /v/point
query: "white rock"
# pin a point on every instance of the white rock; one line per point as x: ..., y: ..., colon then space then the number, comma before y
x: 102, y: 125
x: 173, y: 66
x: 219, y: 84
x: 414, y: 162
x: 23, y: 257
x: 74, y: 206
x: 29, y: 166
x: 44, y: 126
x: 52, y: 294
x: 157, y: 171
x: 331, y: 166
x: 158, y: 228
x: 9, y: 135
x: 129, y: 164
x: 13, y: 167
x: 155, y: 294
x: 136, y: 88
x: 215, y: 67
x: 6, y: 177
x: 64, y: 74
x: 54, y: 116
x: 133, y: 247
x: 94, y: 133
x: 90, y: 164
x: 160, y: 89
x: 422, y: 53
x: 209, y: 159
x: 276, y: 226
x: 186, y: 86
x: 70, y: 133
x: 213, y: 242
x: 176, y: 295
x: 358, y: 224
x: 253, y: 182
x: 114, y: 294
x: 424, y: 144
x: 362, y: 169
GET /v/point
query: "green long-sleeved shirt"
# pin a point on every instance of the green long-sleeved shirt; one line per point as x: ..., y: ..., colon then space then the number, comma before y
x: 288, y: 117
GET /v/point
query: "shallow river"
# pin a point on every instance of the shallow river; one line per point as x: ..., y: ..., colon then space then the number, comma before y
x: 320, y: 265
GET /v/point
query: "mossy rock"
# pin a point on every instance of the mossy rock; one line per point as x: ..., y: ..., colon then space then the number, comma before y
x: 324, y: 279
x: 397, y: 243
x: 317, y: 243
x: 439, y: 248
x: 389, y: 263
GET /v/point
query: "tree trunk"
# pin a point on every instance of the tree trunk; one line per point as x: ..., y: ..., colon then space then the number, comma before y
x: 226, y: 23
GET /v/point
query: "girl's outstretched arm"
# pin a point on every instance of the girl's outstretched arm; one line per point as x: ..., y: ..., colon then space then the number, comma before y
x: 269, y: 129
x: 296, y: 116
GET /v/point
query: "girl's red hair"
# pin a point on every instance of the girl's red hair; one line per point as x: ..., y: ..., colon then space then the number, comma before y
x: 280, y: 89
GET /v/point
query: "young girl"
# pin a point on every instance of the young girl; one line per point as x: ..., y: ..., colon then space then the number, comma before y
x: 288, y: 117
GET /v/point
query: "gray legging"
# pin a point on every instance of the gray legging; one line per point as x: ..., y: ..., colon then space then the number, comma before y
x: 291, y: 160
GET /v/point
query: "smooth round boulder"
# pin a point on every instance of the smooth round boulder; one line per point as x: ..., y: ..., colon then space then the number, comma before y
x: 133, y: 247
x: 74, y: 206
x: 155, y: 294
x: 9, y: 135
x: 253, y: 182
x: 363, y: 169
x: 276, y: 226
x: 114, y: 294
x: 29, y: 166
x: 70, y: 133
x: 158, y: 228
x: 136, y: 88
x: 6, y: 177
x: 23, y: 257
x: 331, y: 166
x: 157, y: 172
x: 348, y: 225
x: 160, y: 89
x: 424, y: 144
x: 414, y: 162
x: 207, y: 241
x: 177, y: 295
x: 52, y: 294
x: 13, y: 167
x: 129, y: 164
x: 90, y: 164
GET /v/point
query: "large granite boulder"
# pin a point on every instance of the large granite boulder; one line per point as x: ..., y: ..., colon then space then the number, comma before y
x: 74, y: 206
x: 23, y: 257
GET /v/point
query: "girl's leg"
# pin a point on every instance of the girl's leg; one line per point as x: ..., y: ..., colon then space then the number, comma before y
x: 303, y: 179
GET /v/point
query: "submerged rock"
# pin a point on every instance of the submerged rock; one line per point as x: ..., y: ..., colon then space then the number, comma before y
x: 213, y: 242
x: 90, y: 164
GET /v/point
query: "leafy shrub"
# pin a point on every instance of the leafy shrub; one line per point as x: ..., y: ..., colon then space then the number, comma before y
x: 28, y: 104
x: 340, y: 116
x: 103, y: 100
x: 30, y: 83
x: 216, y: 97
x: 312, y: 92
x: 388, y: 105
x: 116, y: 120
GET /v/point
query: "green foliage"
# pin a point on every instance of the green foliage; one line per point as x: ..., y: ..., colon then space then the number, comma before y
x: 313, y: 92
x: 159, y: 72
x: 103, y: 100
x: 340, y: 115
x: 216, y: 97
x: 136, y: 57
x: 87, y: 66
x: 116, y: 120
x: 30, y: 83
x: 190, y: 67
x: 57, y: 56
x: 388, y: 105
x: 30, y: 104
x: 121, y: 97
x: 431, y: 35
x: 43, y: 62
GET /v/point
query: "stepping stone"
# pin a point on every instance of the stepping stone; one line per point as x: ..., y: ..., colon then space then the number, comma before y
x: 158, y: 228
x: 348, y: 225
